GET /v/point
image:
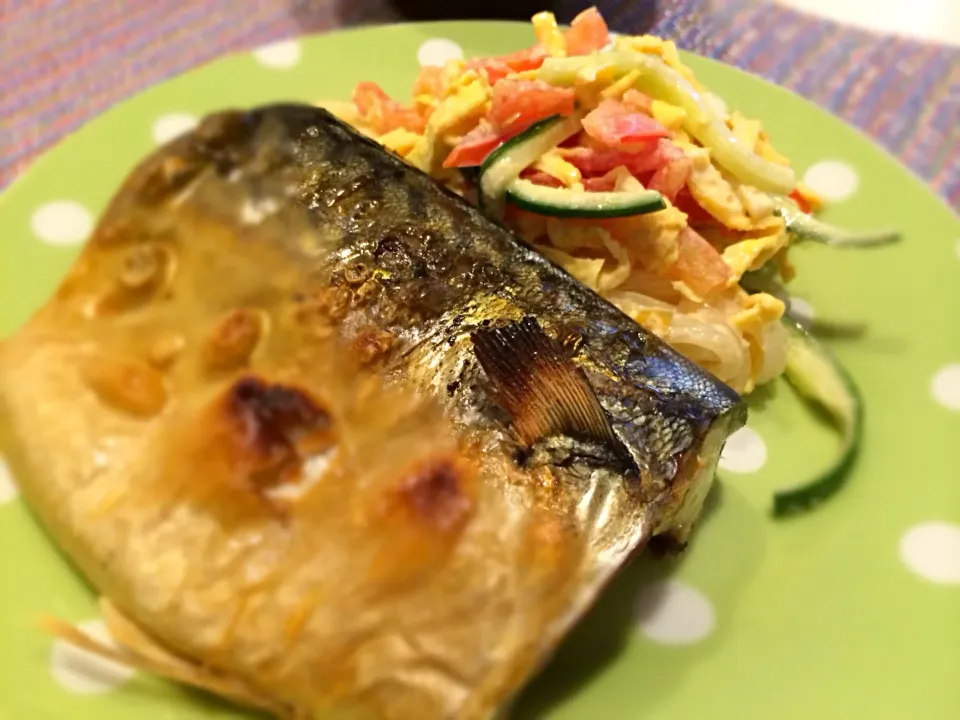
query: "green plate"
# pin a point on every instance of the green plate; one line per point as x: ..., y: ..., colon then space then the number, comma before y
x: 852, y: 610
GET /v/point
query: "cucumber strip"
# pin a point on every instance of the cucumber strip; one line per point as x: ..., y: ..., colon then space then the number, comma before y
x: 659, y: 80
x: 562, y: 202
x: 806, y: 227
x: 817, y: 376
x: 504, y: 165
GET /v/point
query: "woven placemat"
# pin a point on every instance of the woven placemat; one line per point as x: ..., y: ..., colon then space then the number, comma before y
x: 64, y: 62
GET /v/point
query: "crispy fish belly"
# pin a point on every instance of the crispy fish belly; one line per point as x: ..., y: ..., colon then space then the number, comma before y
x: 199, y: 417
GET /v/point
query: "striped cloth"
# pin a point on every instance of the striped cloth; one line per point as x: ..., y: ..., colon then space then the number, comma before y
x: 63, y: 62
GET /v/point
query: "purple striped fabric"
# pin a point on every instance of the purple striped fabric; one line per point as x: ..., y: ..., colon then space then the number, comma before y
x: 63, y: 62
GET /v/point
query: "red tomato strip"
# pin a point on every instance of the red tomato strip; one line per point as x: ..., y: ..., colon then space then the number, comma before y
x: 497, y: 68
x: 523, y: 60
x: 636, y: 100
x: 524, y: 102
x: 431, y: 81
x: 474, y: 147
x: 517, y: 104
x: 640, y: 161
x: 588, y: 33
x: 616, y: 125
x: 699, y: 265
x: 604, y: 183
x: 539, y: 177
x: 367, y: 95
x: 383, y: 114
x: 670, y: 179
x: 800, y: 201
x: 696, y: 215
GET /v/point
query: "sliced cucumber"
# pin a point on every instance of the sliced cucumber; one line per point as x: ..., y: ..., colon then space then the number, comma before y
x: 806, y: 227
x: 660, y: 81
x: 563, y: 202
x: 500, y: 179
x: 504, y: 165
x: 817, y: 376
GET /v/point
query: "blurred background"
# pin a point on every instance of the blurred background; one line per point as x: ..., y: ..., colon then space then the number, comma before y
x: 933, y: 19
x: 890, y: 67
x: 937, y: 20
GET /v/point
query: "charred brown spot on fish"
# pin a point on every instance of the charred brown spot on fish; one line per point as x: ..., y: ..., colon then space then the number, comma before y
x: 437, y: 491
x: 276, y: 424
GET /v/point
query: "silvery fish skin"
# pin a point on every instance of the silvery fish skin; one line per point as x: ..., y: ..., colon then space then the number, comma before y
x: 199, y: 417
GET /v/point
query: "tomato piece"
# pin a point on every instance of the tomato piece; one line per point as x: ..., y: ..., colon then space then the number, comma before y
x: 607, y: 182
x: 670, y: 179
x: 431, y: 81
x: 588, y: 32
x: 497, y: 68
x: 616, y: 125
x: 800, y: 201
x: 517, y: 104
x: 367, y: 96
x: 494, y: 69
x: 383, y: 114
x: 696, y: 215
x: 524, y: 60
x: 538, y: 177
x: 397, y: 116
x: 699, y: 265
x: 604, y: 183
x: 520, y: 103
x: 636, y: 100
x: 640, y: 161
x: 474, y: 147
x: 574, y: 140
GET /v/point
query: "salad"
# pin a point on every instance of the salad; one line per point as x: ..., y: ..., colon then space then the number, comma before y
x: 607, y: 155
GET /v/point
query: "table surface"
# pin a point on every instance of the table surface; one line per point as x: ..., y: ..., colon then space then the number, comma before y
x: 936, y: 20
x: 62, y: 62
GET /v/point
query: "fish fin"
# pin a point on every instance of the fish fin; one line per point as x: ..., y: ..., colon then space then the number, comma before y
x: 536, y: 382
x: 136, y: 649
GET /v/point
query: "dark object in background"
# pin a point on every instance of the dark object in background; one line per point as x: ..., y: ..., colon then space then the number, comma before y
x: 472, y: 9
x: 637, y: 16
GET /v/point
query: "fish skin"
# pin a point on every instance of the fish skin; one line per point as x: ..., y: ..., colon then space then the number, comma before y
x: 185, y: 369
x: 429, y: 251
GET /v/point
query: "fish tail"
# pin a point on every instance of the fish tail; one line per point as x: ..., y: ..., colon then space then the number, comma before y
x: 137, y: 650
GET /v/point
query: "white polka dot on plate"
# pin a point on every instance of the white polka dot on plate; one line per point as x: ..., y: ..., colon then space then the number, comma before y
x: 945, y: 386
x: 8, y: 489
x: 673, y: 613
x: 61, y: 222
x: 280, y: 55
x: 82, y: 672
x: 744, y: 452
x: 834, y: 180
x: 932, y: 551
x: 801, y: 310
x: 436, y: 51
x: 167, y: 127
